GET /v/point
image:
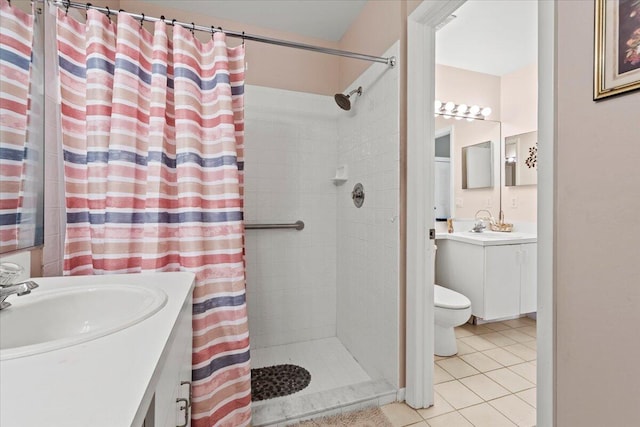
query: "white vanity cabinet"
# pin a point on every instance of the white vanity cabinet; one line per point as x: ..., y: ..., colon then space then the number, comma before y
x: 499, y: 279
x: 175, y: 381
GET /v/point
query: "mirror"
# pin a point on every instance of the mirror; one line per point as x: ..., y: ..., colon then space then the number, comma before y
x: 477, y: 166
x: 520, y: 159
x: 21, y: 127
x: 451, y: 199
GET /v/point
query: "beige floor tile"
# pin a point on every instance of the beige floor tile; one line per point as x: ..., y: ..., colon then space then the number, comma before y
x: 526, y: 371
x: 420, y: 424
x: 452, y: 419
x: 509, y: 380
x: 522, y: 352
x: 462, y: 332
x: 440, y: 375
x: 484, y: 387
x: 503, y: 357
x: 485, y: 415
x: 477, y: 329
x: 529, y: 330
x: 529, y: 321
x: 457, y: 395
x: 481, y: 362
x: 496, y: 326
x: 528, y: 396
x: 400, y: 414
x: 479, y: 343
x: 440, y: 406
x: 464, y: 348
x: 516, y: 410
x: 499, y: 339
x: 457, y: 367
x: 518, y: 323
x: 517, y: 335
x: 533, y: 345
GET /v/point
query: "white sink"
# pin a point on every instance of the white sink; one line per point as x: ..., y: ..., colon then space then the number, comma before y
x: 49, y: 320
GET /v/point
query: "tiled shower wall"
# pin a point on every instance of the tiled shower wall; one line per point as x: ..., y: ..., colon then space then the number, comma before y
x: 290, y: 158
x: 368, y: 246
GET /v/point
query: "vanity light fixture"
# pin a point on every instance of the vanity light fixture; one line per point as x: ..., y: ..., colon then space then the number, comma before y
x: 460, y: 111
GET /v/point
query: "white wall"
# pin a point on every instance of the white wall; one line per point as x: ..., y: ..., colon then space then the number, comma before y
x: 368, y: 247
x: 290, y: 157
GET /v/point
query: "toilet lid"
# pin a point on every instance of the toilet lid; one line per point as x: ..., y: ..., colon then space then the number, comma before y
x: 446, y: 298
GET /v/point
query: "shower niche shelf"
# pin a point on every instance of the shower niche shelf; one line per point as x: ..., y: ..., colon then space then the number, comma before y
x: 342, y: 175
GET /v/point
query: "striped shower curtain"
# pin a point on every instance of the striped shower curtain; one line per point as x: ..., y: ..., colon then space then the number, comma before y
x: 153, y: 142
x: 17, y: 213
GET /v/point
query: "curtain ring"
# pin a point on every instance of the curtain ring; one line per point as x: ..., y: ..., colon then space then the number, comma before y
x: 243, y: 38
x: 66, y: 8
x: 142, y: 20
x: 108, y: 13
x: 173, y: 22
x: 213, y: 30
x: 162, y: 18
x: 86, y: 10
x: 193, y: 29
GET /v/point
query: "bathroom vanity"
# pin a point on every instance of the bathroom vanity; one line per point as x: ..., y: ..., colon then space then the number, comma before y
x: 496, y: 271
x: 138, y: 375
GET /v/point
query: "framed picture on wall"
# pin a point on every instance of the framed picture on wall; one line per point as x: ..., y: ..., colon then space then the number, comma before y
x: 617, y: 47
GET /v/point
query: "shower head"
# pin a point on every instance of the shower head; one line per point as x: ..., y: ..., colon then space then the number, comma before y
x: 343, y: 100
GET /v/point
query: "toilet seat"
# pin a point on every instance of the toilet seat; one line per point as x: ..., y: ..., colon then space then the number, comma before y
x: 452, y: 300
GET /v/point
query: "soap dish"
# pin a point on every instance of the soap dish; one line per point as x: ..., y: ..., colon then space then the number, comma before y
x: 506, y: 228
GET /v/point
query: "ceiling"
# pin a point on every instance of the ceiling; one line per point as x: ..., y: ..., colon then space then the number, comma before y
x: 322, y: 19
x: 489, y: 36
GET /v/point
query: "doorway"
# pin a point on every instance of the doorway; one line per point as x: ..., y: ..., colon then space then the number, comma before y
x: 420, y: 215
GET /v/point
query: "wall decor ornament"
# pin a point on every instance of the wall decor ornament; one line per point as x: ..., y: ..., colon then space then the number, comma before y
x: 617, y: 47
x: 532, y: 160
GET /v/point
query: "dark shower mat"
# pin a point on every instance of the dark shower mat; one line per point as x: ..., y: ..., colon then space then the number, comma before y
x: 278, y: 380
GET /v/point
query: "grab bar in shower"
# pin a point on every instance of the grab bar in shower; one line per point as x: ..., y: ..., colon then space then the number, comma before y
x: 298, y: 225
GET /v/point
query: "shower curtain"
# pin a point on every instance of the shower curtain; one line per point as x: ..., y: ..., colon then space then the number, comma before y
x: 153, y: 144
x: 17, y: 156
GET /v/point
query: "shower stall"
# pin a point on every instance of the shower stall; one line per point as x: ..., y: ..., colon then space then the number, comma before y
x: 324, y: 297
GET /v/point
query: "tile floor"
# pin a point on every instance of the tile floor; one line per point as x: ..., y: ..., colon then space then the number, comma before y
x: 491, y: 382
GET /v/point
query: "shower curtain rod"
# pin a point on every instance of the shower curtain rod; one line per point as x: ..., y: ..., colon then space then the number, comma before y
x: 391, y: 61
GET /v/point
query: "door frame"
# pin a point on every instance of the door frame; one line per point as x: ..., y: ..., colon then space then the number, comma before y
x: 421, y: 25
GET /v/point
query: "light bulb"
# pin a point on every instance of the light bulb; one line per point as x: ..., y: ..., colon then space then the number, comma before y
x: 446, y: 116
x: 449, y: 106
x: 462, y: 108
x: 437, y: 105
x: 474, y: 110
x: 469, y: 119
x: 458, y: 118
x: 485, y: 111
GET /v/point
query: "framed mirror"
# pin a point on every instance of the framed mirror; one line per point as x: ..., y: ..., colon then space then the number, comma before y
x: 21, y: 126
x: 520, y: 159
x: 477, y: 166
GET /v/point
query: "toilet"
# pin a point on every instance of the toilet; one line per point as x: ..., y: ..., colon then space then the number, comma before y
x: 451, y: 309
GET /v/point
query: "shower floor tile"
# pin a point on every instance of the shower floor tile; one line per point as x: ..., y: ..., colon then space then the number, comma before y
x: 327, y: 360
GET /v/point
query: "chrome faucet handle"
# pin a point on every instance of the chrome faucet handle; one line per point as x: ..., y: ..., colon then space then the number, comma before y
x: 22, y: 288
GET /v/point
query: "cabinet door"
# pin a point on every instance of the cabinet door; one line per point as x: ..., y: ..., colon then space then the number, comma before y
x: 502, y: 281
x: 528, y: 278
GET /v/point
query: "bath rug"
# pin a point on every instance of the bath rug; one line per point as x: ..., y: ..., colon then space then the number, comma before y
x: 278, y: 380
x: 370, y: 417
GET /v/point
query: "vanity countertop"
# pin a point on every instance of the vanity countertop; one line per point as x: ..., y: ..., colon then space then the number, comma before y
x: 106, y: 382
x: 489, y: 238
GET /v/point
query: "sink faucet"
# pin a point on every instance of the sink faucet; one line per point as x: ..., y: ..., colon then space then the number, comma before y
x: 8, y: 273
x: 19, y: 289
x: 479, y: 226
